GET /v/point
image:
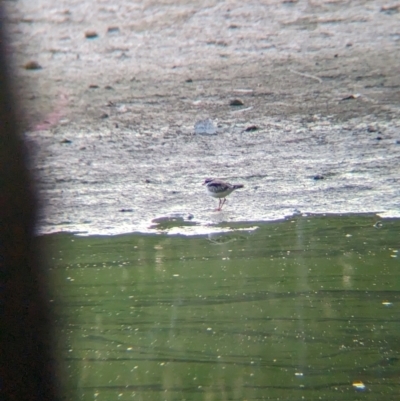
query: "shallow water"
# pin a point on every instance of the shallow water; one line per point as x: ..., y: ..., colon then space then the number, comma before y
x: 306, y: 308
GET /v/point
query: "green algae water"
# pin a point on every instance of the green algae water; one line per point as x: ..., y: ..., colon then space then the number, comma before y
x: 304, y: 309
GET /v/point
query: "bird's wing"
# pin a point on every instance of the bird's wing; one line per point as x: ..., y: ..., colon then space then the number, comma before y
x: 218, y: 186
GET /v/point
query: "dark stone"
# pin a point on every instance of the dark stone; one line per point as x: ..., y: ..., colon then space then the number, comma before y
x: 91, y: 34
x: 32, y: 65
x: 236, y: 102
x: 112, y: 29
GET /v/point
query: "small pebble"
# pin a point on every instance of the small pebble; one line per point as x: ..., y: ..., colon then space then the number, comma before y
x: 391, y: 9
x: 251, y: 128
x: 236, y: 102
x: 318, y: 177
x: 352, y: 96
x: 32, y: 65
x: 91, y: 34
x: 112, y: 29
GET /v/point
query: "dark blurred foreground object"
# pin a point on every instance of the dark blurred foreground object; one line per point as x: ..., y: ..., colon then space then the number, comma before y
x: 27, y: 370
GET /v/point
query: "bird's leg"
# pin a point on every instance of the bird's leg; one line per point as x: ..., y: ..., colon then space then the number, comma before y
x: 219, y: 205
x: 223, y: 203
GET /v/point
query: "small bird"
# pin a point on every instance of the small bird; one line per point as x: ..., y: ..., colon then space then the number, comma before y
x: 220, y: 189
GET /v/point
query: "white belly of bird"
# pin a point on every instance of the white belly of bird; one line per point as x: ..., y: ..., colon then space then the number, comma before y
x: 220, y: 194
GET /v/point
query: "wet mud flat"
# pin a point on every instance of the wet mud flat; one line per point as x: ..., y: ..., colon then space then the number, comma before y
x: 304, y: 99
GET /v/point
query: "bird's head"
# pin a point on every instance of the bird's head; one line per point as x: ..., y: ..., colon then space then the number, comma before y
x: 207, y: 180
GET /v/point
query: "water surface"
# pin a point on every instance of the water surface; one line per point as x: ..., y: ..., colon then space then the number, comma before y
x: 306, y: 308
